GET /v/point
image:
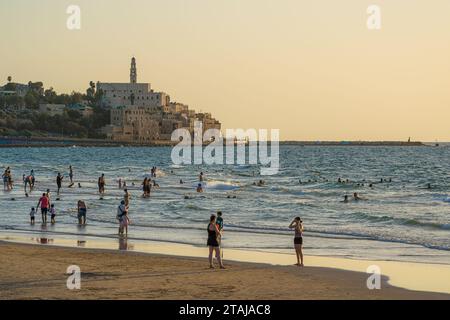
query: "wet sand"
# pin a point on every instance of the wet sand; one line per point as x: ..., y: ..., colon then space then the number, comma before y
x: 39, y: 272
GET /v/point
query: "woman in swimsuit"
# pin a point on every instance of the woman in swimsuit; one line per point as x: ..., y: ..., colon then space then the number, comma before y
x: 297, y: 225
x: 213, y: 243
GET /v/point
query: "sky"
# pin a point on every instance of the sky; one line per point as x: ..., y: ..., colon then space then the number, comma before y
x: 310, y: 68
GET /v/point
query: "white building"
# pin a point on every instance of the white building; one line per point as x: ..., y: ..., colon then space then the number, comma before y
x: 132, y: 93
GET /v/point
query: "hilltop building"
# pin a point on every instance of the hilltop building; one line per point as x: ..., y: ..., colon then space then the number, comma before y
x: 139, y: 114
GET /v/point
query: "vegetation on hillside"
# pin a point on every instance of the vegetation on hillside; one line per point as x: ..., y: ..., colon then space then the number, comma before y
x: 15, y: 120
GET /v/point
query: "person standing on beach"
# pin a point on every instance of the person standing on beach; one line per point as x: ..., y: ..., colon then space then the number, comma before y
x: 5, y: 180
x: 10, y: 180
x: 71, y: 175
x: 44, y: 202
x: 52, y: 214
x: 47, y: 194
x: 122, y: 216
x: 27, y: 181
x: 126, y: 198
x: 101, y: 184
x: 59, y: 179
x: 219, y: 223
x: 297, y: 225
x: 32, y: 213
x: 82, y: 210
x: 33, y: 180
x: 213, y: 243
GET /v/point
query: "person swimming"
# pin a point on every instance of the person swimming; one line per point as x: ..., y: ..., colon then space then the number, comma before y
x: 200, y: 177
x: 199, y: 188
x: 260, y: 183
x: 356, y: 197
x: 345, y: 199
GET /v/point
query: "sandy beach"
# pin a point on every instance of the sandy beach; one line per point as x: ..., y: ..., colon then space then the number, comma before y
x: 39, y: 272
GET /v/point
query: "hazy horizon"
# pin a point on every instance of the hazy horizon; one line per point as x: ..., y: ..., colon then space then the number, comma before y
x: 309, y: 68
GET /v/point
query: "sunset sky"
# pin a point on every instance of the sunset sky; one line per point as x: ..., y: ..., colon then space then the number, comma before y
x: 309, y: 68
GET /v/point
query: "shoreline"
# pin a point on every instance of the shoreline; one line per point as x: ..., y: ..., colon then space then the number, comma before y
x: 54, y: 142
x: 40, y: 272
x: 420, y: 277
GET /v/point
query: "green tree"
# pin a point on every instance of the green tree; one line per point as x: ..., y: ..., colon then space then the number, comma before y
x: 31, y: 99
x: 50, y: 95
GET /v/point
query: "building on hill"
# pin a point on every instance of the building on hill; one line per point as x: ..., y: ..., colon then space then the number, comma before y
x: 133, y: 124
x: 12, y: 88
x: 52, y: 109
x: 132, y: 93
x: 82, y: 108
x: 139, y: 114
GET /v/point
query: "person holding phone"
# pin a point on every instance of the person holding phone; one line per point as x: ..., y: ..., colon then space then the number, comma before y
x: 297, y: 225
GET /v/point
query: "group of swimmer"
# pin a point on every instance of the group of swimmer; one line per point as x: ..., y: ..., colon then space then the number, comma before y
x: 215, y: 226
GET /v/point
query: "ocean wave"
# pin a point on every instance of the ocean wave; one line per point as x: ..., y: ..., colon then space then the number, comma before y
x: 219, y: 185
x: 400, y: 221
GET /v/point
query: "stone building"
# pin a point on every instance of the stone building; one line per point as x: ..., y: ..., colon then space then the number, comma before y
x: 138, y: 114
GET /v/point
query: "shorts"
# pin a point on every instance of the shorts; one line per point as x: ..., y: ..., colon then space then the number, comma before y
x: 53, y: 216
x: 44, y: 211
x: 212, y: 243
x: 298, y: 240
x: 82, y: 213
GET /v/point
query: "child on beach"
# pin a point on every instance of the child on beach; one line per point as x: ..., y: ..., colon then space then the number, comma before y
x: 52, y: 214
x: 32, y: 213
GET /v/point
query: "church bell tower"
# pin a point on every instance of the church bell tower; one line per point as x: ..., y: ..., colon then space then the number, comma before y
x: 133, y: 71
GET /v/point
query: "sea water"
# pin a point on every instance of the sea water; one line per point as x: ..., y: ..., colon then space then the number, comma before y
x: 398, y: 220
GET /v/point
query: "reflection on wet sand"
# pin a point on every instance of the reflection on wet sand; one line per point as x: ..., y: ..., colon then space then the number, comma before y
x: 81, y: 243
x: 42, y: 240
x: 123, y: 244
